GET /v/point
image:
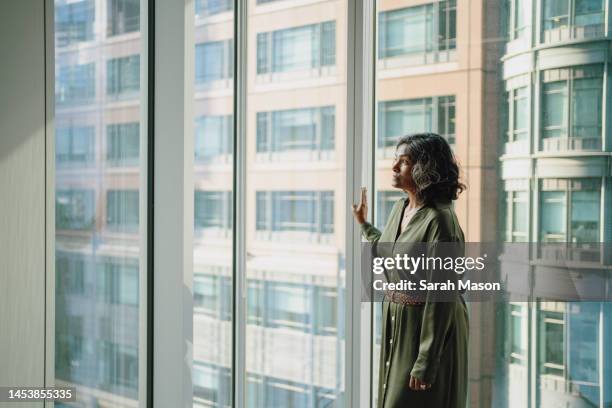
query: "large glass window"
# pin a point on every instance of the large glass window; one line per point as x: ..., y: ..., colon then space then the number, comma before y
x: 403, y: 117
x: 297, y: 48
x: 417, y: 30
x: 98, y: 192
x: 566, y: 202
x: 74, y: 145
x: 75, y: 83
x: 123, y: 143
x: 74, y: 22
x: 516, y: 215
x: 74, y: 209
x: 214, y: 137
x: 213, y: 269
x: 123, y: 76
x: 567, y: 19
x: 122, y: 209
x: 214, y: 61
x: 205, y: 8
x: 123, y: 17
x: 296, y: 129
x: 572, y: 109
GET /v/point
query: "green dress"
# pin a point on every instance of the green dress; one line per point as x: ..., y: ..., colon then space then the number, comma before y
x: 427, y: 341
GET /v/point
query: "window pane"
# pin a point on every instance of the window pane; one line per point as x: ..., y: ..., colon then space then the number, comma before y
x: 98, y: 245
x: 213, y: 203
x: 554, y: 109
x: 295, y: 204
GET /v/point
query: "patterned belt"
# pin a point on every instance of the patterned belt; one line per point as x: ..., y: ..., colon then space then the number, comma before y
x: 402, y: 298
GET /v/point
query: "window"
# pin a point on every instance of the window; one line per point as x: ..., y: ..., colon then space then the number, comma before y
x: 123, y: 143
x: 518, y: 333
x: 328, y: 305
x: 307, y: 211
x: 118, y: 282
x: 214, y: 61
x: 123, y: 76
x: 516, y: 223
x: 119, y: 367
x: 289, y: 305
x: 74, y: 22
x: 96, y: 197
x: 74, y: 209
x: 214, y: 137
x: 71, y: 273
x: 402, y: 117
x: 296, y: 129
x: 552, y: 339
x: 123, y: 17
x: 520, y: 15
x: 566, y: 19
x: 211, y: 385
x: 582, y: 198
x: 297, y: 48
x: 519, y: 115
x: 122, y: 210
x: 206, y: 8
x: 75, y: 145
x: 572, y: 109
x: 213, y: 210
x: 75, y: 84
x: 412, y: 30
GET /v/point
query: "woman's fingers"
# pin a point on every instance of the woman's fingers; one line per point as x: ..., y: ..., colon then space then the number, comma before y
x: 417, y: 385
x: 364, y: 196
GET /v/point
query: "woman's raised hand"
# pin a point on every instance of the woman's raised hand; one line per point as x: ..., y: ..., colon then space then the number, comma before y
x: 360, y: 212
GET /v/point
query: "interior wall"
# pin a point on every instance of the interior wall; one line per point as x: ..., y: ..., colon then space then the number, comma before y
x: 22, y: 195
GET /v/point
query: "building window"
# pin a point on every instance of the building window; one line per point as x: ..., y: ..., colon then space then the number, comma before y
x: 518, y: 125
x: 517, y: 216
x: 74, y: 145
x: 123, y: 17
x: 573, y: 202
x: 211, y: 385
x: 214, y: 137
x: 417, y: 30
x: 519, y: 18
x: 122, y: 208
x: 123, y: 143
x: 213, y: 210
x: 74, y: 209
x: 119, y: 367
x: 205, y: 8
x: 296, y: 129
x: 297, y: 48
x: 118, y: 282
x: 123, y: 76
x: 567, y: 19
x: 70, y: 269
x: 326, y: 309
x: 288, y: 305
x: 214, y: 61
x: 74, y: 22
x: 518, y: 333
x: 572, y: 108
x: 75, y: 84
x: 402, y: 117
x: 304, y: 211
x: 551, y: 339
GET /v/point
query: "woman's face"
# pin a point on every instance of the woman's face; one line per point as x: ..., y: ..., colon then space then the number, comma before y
x: 402, y: 169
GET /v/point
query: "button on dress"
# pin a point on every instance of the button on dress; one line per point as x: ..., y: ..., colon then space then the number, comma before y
x: 427, y: 341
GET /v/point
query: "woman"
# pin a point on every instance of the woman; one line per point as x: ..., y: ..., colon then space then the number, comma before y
x: 423, y: 359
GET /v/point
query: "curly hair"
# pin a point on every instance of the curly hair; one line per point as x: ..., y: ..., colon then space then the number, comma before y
x: 434, y: 169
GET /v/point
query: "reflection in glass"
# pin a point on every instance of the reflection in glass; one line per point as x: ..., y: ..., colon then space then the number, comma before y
x: 97, y: 240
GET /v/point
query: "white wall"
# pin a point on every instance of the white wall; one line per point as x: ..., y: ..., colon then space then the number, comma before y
x: 22, y: 195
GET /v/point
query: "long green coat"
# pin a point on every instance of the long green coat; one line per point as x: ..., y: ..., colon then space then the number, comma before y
x: 430, y: 341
